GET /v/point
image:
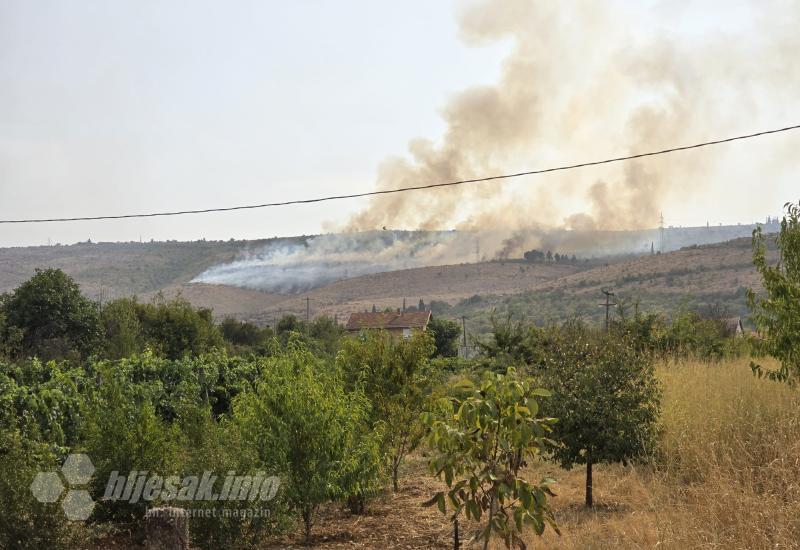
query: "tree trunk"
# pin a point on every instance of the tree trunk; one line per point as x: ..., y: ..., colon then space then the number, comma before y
x: 308, y: 521
x: 395, y: 469
x: 456, y: 540
x: 489, y: 526
x: 589, y: 500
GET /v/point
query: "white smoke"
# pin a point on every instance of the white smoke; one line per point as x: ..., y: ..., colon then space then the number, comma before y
x: 291, y: 267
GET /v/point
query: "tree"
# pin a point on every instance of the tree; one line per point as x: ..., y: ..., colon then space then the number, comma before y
x: 122, y: 328
x: 174, y: 328
x: 395, y: 376
x: 481, y: 440
x: 49, y: 317
x: 605, y: 396
x: 305, y: 425
x: 777, y: 315
x: 445, y: 336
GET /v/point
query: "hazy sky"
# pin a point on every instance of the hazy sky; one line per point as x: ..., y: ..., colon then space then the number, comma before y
x: 143, y: 105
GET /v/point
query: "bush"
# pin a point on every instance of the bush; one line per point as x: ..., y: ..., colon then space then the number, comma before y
x: 396, y: 377
x: 304, y: 425
x: 481, y: 442
x: 25, y: 522
x: 445, y: 333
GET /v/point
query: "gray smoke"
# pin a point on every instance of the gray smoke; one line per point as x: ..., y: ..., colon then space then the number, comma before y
x: 295, y: 267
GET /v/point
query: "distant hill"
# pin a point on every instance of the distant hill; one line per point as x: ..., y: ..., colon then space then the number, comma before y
x: 695, y: 276
x: 121, y: 269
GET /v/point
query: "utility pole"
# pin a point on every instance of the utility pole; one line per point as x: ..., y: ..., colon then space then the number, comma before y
x: 608, y: 305
x: 464, y: 326
x: 308, y: 309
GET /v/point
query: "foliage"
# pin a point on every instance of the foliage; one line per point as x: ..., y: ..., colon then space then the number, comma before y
x: 123, y: 330
x: 25, y: 522
x: 481, y: 442
x: 174, y: 328
x: 43, y: 401
x: 48, y: 316
x: 777, y: 315
x: 445, y: 334
x: 243, y: 335
x: 605, y: 395
x: 124, y: 434
x: 219, y: 446
x: 395, y: 376
x: 304, y: 424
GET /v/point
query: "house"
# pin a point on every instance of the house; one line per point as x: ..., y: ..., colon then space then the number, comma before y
x: 398, y: 324
x: 733, y: 326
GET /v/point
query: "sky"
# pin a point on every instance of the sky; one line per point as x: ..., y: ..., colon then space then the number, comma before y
x: 139, y: 106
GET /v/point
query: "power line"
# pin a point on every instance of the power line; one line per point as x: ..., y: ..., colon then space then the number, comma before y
x: 416, y: 187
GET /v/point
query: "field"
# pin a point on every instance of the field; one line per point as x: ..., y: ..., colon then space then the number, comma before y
x: 726, y: 477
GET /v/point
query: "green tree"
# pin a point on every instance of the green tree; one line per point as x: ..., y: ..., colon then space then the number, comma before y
x: 243, y: 333
x: 605, y: 395
x: 445, y: 336
x: 306, y: 426
x: 395, y: 376
x: 481, y: 440
x: 174, y: 328
x: 777, y: 314
x: 122, y: 328
x: 50, y: 318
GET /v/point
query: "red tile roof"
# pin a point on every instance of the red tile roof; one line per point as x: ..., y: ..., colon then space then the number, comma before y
x: 381, y: 320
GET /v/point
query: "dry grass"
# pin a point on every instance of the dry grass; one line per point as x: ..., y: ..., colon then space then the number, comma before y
x: 728, y: 477
x: 728, y: 474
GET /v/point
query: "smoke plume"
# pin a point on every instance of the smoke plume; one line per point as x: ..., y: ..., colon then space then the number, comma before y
x: 585, y: 80
x: 582, y: 84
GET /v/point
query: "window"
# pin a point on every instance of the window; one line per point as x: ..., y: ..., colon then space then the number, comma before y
x: 406, y: 333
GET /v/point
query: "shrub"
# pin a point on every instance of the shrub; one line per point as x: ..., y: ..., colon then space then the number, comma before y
x: 25, y: 522
x: 395, y: 376
x: 481, y: 441
x: 304, y: 425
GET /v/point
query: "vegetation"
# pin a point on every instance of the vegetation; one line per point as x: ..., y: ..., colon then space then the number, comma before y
x: 777, y: 314
x: 396, y: 377
x: 482, y: 441
x: 661, y: 409
x: 47, y: 316
x: 605, y: 396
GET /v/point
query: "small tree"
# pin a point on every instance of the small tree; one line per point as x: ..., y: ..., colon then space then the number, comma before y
x: 395, y: 377
x: 777, y: 315
x: 605, y: 396
x: 305, y: 425
x: 445, y: 336
x: 481, y: 440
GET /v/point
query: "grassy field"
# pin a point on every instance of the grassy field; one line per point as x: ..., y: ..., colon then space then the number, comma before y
x: 727, y: 476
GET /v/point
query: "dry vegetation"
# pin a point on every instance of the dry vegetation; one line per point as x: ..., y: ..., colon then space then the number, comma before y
x: 111, y: 270
x: 727, y: 477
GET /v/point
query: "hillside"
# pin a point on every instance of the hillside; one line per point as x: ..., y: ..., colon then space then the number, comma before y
x: 110, y: 270
x: 695, y: 276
